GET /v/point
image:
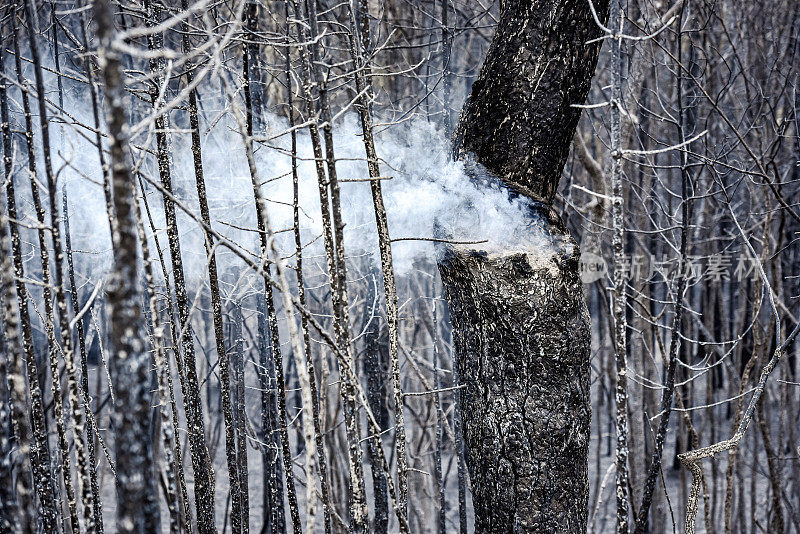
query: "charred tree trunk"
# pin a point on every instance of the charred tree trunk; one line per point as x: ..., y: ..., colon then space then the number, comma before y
x: 40, y: 452
x: 130, y: 365
x: 520, y: 323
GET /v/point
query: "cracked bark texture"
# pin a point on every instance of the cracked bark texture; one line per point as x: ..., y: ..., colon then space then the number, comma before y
x: 521, y: 329
x: 519, y: 119
x: 520, y: 323
x: 130, y: 358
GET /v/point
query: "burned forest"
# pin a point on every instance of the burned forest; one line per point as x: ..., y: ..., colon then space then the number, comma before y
x: 399, y: 266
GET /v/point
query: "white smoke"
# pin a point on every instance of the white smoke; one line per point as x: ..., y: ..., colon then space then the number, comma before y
x: 425, y: 190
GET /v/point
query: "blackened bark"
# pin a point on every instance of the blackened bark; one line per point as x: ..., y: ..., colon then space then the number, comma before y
x: 161, y: 365
x: 47, y: 291
x: 458, y: 445
x: 239, y: 412
x: 301, y: 297
x: 375, y: 370
x: 11, y: 374
x: 334, y: 250
x: 440, y: 422
x: 519, y: 118
x: 112, y: 217
x: 201, y: 460
x: 40, y: 453
x: 75, y: 416
x: 522, y: 333
x: 130, y: 364
x: 8, y: 500
x: 274, y: 513
x: 520, y: 324
x: 361, y: 49
x: 97, y: 509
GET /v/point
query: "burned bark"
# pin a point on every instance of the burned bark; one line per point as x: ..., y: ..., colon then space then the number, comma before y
x: 519, y: 119
x: 40, y: 452
x: 274, y: 515
x: 130, y: 365
x: 521, y: 329
x: 521, y: 326
x: 17, y: 500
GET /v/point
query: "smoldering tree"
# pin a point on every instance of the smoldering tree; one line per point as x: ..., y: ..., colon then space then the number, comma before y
x: 311, y: 375
x: 520, y: 323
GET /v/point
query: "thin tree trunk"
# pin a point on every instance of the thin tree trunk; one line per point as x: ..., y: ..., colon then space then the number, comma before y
x: 240, y: 413
x: 74, y: 397
x: 334, y: 254
x: 216, y: 302
x: 665, y: 408
x: 447, y: 45
x: 201, y: 460
x: 87, y: 405
x: 168, y: 427
x: 327, y: 506
x: 267, y: 242
x: 337, y: 269
x: 40, y: 449
x: 98, y: 140
x: 282, y: 421
x: 440, y: 422
x: 178, y: 454
x: 360, y: 44
x: 274, y: 513
x: 47, y: 294
x: 18, y: 397
x: 619, y: 289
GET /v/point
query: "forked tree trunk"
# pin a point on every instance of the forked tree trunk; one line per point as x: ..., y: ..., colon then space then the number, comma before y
x: 520, y: 323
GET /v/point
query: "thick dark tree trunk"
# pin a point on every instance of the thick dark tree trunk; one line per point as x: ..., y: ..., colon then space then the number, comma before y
x: 130, y: 358
x: 519, y: 119
x: 520, y: 323
x: 521, y: 329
